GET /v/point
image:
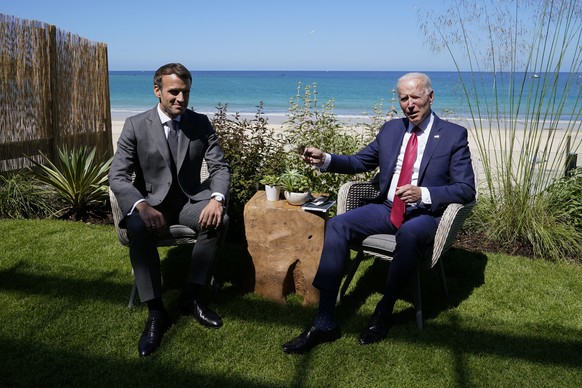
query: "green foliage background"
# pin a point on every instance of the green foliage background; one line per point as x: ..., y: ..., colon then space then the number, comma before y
x: 255, y: 150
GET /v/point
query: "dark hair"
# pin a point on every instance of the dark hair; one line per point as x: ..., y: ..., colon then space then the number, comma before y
x: 172, y: 68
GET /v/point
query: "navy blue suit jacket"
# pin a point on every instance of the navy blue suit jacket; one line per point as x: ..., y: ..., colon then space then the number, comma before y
x: 445, y: 168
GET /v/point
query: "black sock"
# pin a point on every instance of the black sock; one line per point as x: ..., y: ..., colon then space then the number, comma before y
x: 325, y: 318
x: 156, y: 306
x: 385, y: 306
x: 191, y: 291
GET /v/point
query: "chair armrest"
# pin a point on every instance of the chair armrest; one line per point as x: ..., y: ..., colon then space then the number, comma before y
x: 350, y: 194
x: 451, y: 223
x: 117, y: 217
x: 204, y: 174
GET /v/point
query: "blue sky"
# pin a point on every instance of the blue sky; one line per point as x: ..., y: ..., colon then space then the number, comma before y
x: 245, y: 35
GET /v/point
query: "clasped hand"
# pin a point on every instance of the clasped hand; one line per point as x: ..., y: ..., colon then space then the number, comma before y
x: 409, y: 193
x: 210, y: 217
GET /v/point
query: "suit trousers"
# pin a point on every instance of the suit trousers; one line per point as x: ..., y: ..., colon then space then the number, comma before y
x: 143, y: 250
x: 414, y: 243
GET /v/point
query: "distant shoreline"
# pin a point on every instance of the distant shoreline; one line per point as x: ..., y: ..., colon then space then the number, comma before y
x: 348, y: 120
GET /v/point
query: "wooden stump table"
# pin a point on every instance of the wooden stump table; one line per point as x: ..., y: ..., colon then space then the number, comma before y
x: 285, y: 244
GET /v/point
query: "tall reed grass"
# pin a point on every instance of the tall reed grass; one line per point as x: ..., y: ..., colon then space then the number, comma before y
x: 533, y: 51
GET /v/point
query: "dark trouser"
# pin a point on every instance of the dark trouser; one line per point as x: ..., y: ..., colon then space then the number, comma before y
x: 414, y: 242
x: 143, y: 251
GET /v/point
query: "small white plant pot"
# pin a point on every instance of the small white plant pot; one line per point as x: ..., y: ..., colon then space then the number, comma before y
x: 297, y: 199
x: 273, y: 192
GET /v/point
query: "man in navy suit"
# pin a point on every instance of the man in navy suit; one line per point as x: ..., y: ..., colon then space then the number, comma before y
x: 441, y: 174
x: 155, y: 176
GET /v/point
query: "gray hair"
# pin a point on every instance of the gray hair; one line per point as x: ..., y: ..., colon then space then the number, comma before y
x: 424, y: 80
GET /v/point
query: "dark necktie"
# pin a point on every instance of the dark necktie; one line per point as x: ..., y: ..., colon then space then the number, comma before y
x: 173, y: 139
x: 398, y: 206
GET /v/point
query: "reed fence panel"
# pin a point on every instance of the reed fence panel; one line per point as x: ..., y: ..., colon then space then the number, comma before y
x: 54, y: 92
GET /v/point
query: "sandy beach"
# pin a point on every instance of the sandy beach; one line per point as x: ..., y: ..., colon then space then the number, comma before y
x: 493, y: 146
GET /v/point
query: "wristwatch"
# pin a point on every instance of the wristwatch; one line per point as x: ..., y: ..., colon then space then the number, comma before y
x: 219, y: 198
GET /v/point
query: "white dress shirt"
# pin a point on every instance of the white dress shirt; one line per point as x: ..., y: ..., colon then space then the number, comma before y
x: 422, y: 137
x: 165, y: 119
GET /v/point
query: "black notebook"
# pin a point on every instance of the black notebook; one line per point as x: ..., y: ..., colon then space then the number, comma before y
x: 318, y: 206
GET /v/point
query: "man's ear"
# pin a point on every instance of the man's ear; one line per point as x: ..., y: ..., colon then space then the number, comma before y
x: 157, y: 91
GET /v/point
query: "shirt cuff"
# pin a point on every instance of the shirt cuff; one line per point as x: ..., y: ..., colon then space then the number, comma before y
x: 326, y: 162
x: 425, y: 196
x: 134, y: 205
x: 218, y: 196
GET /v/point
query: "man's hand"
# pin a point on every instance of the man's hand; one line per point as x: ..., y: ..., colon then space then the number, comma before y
x: 409, y: 194
x: 211, y: 215
x: 153, y: 219
x: 313, y: 156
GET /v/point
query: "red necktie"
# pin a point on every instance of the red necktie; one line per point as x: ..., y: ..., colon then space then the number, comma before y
x: 398, y: 207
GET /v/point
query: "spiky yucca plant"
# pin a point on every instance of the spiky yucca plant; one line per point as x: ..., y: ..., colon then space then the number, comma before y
x: 79, y: 179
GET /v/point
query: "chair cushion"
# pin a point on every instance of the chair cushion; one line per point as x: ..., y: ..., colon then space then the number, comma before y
x: 178, y: 231
x: 379, y: 243
x: 178, y: 235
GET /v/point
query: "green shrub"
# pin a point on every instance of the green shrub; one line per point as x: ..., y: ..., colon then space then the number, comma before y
x: 19, y: 197
x: 78, y: 179
x: 310, y: 125
x: 566, y: 196
x: 256, y: 152
x: 253, y: 151
x: 545, y: 228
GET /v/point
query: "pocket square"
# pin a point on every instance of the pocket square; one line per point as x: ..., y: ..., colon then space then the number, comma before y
x: 437, y: 136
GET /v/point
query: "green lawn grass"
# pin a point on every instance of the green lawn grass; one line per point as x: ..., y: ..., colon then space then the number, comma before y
x: 64, y: 322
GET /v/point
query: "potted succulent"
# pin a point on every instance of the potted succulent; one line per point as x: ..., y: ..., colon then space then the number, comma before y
x: 272, y: 188
x: 296, y: 186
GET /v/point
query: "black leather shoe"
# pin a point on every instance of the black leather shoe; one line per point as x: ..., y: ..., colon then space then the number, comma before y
x: 310, y: 338
x: 152, y: 335
x: 202, y: 314
x: 377, y: 329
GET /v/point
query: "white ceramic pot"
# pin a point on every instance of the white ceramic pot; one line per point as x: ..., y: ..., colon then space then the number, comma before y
x: 297, y: 198
x: 273, y: 192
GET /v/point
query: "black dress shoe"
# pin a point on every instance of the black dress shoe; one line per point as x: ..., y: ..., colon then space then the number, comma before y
x: 202, y: 313
x: 377, y: 329
x: 152, y: 335
x: 310, y: 338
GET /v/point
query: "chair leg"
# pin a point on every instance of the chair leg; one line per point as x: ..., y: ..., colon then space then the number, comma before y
x: 215, y: 285
x: 418, y: 302
x: 350, y: 276
x: 132, y: 296
x: 443, y: 280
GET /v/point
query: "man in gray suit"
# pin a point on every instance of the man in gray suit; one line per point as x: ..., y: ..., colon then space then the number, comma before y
x: 155, y: 176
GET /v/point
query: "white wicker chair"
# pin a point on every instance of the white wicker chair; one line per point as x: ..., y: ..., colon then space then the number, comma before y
x: 381, y: 246
x: 178, y: 234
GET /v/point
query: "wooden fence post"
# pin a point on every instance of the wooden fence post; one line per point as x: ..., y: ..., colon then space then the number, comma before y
x: 54, y: 106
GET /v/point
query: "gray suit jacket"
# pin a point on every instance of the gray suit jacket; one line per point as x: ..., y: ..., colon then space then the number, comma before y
x: 142, y: 149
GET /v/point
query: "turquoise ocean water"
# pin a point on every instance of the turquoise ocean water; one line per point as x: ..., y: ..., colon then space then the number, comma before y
x: 355, y: 93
